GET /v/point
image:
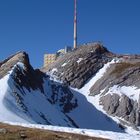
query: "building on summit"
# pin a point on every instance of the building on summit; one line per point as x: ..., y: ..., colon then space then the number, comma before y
x: 51, y: 58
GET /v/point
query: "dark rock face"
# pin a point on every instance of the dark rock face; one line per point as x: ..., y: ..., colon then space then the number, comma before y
x: 27, y: 77
x: 62, y: 95
x: 34, y: 79
x: 77, y: 67
x: 125, y: 106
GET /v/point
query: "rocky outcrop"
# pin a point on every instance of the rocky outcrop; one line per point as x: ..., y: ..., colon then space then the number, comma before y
x: 124, y: 73
x: 122, y: 107
x: 110, y: 103
x: 77, y: 67
x: 62, y: 96
x: 24, y: 77
x: 7, y: 64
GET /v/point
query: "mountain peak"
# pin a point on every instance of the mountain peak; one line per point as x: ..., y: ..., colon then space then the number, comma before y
x: 77, y: 67
x: 7, y: 64
x: 91, y: 69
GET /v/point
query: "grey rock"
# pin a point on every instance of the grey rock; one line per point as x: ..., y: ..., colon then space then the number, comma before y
x: 94, y: 56
x: 125, y: 106
x: 122, y: 74
x: 122, y: 107
x: 125, y: 73
x: 110, y: 103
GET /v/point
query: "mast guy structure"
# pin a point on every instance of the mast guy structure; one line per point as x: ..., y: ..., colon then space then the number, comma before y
x: 75, y: 25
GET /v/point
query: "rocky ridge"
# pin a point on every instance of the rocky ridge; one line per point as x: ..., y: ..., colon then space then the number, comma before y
x: 123, y: 74
x: 79, y: 66
x: 118, y: 88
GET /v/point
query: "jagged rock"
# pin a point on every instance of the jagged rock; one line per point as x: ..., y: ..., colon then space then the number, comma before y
x: 8, y: 63
x: 64, y: 99
x: 122, y: 107
x: 110, y: 103
x: 123, y: 74
x: 125, y: 107
x: 24, y: 80
x: 81, y: 64
x: 27, y: 77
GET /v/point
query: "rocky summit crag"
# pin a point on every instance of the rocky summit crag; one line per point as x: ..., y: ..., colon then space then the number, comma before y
x: 77, y: 67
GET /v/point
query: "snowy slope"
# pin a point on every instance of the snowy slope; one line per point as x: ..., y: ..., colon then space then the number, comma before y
x: 87, y: 115
x: 32, y: 106
x: 56, y: 105
x: 95, y: 100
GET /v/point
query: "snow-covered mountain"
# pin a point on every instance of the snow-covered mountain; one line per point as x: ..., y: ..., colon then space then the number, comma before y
x: 109, y: 81
x: 28, y: 95
x: 87, y: 88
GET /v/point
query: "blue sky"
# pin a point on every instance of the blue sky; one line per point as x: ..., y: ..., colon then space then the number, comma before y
x: 40, y: 26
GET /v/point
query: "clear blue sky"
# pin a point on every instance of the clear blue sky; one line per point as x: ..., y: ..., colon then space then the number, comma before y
x: 40, y: 26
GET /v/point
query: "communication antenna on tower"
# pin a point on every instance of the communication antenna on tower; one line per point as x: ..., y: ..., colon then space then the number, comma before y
x: 75, y: 25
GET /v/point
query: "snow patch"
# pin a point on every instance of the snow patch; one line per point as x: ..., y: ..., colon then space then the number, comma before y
x: 79, y: 60
x: 64, y: 65
x: 132, y: 92
x: 54, y: 70
x: 21, y: 65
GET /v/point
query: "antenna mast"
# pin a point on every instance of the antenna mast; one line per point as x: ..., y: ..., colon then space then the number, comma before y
x: 75, y: 25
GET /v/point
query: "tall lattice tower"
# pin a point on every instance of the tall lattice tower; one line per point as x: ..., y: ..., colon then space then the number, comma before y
x: 75, y: 25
